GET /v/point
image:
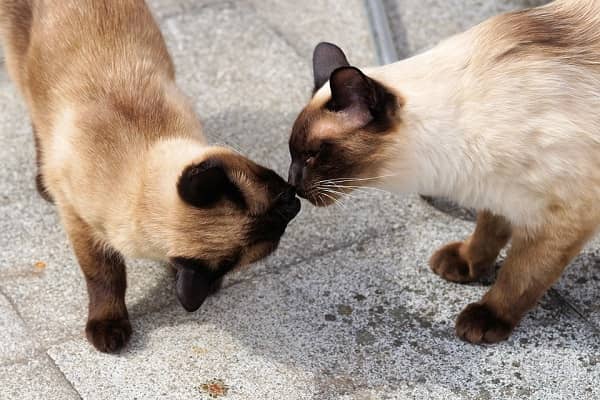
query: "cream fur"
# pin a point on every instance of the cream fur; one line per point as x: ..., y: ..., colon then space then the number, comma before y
x: 514, y: 137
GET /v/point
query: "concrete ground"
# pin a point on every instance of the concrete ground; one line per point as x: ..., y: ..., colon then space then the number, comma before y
x: 346, y: 309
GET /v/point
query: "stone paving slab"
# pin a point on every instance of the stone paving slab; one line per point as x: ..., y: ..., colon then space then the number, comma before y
x: 303, y: 24
x: 34, y: 380
x: 420, y: 24
x: 367, y: 322
x: 16, y: 342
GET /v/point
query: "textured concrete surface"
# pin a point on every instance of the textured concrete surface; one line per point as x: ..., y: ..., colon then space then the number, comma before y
x: 34, y: 379
x: 346, y: 309
x: 420, y: 24
x: 16, y: 341
x: 368, y: 321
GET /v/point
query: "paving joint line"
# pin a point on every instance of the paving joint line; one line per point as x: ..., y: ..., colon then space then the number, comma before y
x: 381, y: 31
x: 341, y: 246
x: 575, y: 309
x: 64, y: 376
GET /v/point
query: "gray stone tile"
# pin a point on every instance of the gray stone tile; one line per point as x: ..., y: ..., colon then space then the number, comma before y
x: 369, y: 321
x: 300, y: 24
x: 579, y: 285
x: 17, y: 342
x: 53, y: 302
x: 167, y: 8
x: 420, y: 24
x: 303, y: 24
x: 33, y: 380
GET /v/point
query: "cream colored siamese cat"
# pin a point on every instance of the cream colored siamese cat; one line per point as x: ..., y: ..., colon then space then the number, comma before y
x: 122, y: 155
x: 504, y: 118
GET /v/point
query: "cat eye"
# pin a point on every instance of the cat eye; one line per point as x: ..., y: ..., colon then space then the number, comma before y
x: 312, y: 155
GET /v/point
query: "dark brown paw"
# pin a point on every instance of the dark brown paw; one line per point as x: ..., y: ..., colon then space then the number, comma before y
x: 108, y: 336
x: 448, y: 263
x: 478, y: 323
x: 41, y: 188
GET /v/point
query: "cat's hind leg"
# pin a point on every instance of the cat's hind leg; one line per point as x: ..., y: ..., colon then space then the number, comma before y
x: 468, y: 261
x: 532, y: 266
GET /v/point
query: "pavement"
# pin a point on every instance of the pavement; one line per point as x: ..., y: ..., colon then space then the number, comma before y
x: 346, y: 308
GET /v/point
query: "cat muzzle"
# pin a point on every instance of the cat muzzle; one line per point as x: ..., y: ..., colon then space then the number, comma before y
x: 288, y: 205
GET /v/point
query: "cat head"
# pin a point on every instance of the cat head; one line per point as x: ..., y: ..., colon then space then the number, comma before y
x: 228, y: 212
x: 341, y: 137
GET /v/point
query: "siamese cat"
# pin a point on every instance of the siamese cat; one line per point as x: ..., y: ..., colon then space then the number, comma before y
x: 504, y: 118
x: 121, y: 154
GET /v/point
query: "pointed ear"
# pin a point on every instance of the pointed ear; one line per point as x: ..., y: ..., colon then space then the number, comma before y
x: 363, y: 99
x: 204, y: 184
x: 327, y: 58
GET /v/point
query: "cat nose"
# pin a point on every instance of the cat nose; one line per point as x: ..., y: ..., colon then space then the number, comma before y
x: 295, y: 174
x: 288, y: 195
x: 289, y: 204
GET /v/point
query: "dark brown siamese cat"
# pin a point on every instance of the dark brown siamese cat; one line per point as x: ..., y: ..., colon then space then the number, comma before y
x: 504, y: 118
x: 121, y: 154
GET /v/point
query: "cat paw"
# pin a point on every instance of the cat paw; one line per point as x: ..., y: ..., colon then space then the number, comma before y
x: 448, y: 263
x: 108, y: 336
x: 478, y: 323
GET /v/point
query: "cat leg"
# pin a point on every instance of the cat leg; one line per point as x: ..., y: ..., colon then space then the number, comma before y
x: 532, y: 266
x: 469, y: 260
x: 108, y: 327
x: 39, y: 178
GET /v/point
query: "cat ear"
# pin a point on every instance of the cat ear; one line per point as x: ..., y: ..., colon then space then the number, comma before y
x: 327, y: 57
x: 363, y: 100
x: 192, y: 289
x: 204, y: 184
x: 355, y: 94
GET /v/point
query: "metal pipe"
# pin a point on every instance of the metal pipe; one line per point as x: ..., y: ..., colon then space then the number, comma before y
x: 382, y: 32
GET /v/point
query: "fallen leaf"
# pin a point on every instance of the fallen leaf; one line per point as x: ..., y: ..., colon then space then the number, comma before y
x: 199, y: 350
x: 215, y: 388
x: 39, y: 265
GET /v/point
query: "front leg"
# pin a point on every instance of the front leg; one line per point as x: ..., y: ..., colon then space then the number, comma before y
x: 469, y: 260
x: 108, y: 327
x: 533, y: 264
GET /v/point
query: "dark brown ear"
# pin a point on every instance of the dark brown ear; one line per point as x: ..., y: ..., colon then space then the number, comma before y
x: 327, y: 57
x: 192, y: 289
x: 363, y: 99
x: 203, y: 185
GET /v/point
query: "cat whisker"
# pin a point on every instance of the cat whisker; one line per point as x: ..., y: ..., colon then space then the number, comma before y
x: 336, y: 180
x: 357, y: 188
x: 337, y: 202
x: 337, y: 192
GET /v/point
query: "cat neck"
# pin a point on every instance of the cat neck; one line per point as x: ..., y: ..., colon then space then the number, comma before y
x: 431, y: 156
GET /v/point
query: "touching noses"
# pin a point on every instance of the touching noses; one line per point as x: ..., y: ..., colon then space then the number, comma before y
x: 289, y: 204
x: 296, y: 174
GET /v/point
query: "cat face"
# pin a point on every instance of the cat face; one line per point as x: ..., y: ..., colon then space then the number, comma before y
x: 231, y: 212
x: 341, y: 137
